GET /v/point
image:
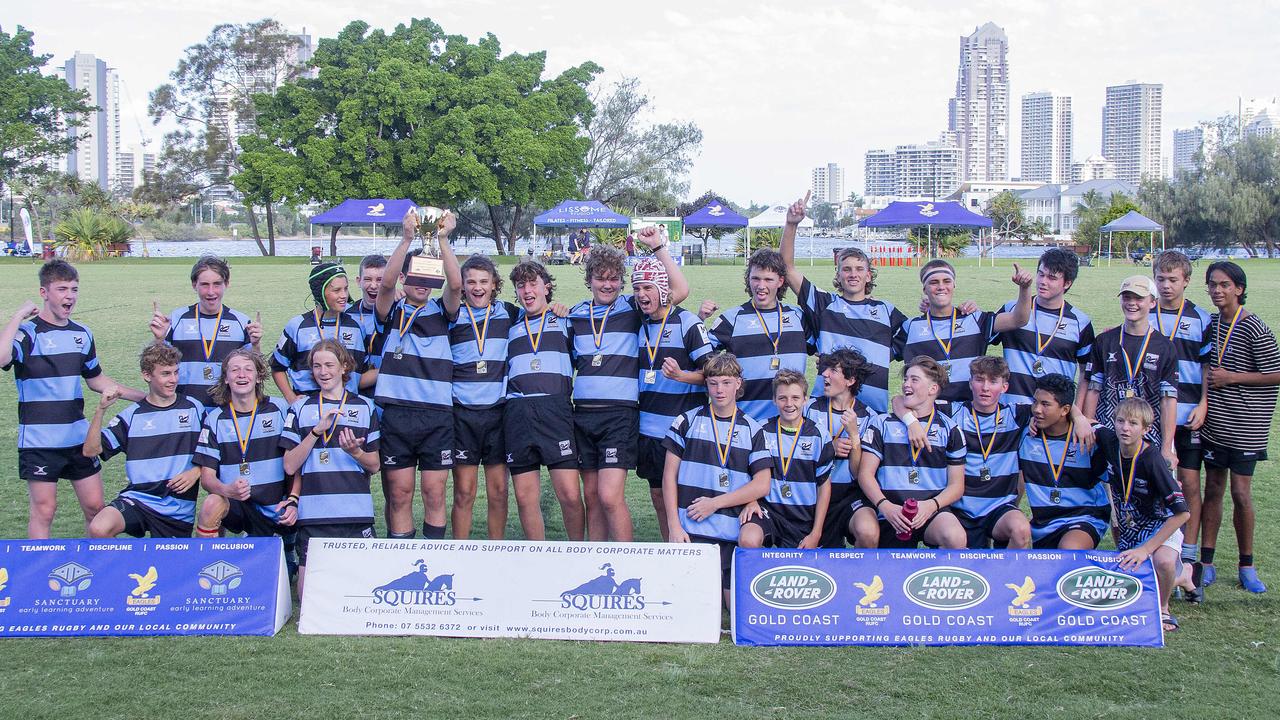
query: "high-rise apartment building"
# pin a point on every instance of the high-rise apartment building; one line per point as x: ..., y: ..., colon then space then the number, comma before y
x: 1132, y: 121
x: 979, y: 112
x: 1047, y: 137
x: 1094, y: 167
x: 930, y: 170
x: 1203, y: 138
x: 95, y: 156
x: 880, y: 173
x: 828, y: 184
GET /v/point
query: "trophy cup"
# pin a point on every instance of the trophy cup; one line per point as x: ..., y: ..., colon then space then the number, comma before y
x: 426, y: 269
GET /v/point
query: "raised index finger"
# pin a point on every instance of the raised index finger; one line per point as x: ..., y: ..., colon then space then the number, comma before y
x: 807, y: 193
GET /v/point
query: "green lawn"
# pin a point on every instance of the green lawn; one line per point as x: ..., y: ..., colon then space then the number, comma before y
x: 1223, y: 663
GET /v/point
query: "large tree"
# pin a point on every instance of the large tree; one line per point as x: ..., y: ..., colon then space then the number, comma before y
x: 632, y: 163
x: 421, y: 114
x: 1009, y: 220
x: 211, y: 99
x: 39, y: 114
x: 685, y: 209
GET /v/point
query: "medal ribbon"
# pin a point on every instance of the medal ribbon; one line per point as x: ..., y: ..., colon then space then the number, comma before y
x: 208, y: 344
x: 1128, y: 481
x: 977, y: 426
x: 1040, y: 346
x: 786, y: 459
x: 243, y: 439
x: 831, y: 428
x: 337, y: 324
x: 405, y: 325
x: 1131, y: 368
x: 723, y: 450
x: 1176, y: 320
x: 1066, y: 450
x: 1222, y: 343
x: 480, y: 332
x: 373, y: 336
x: 329, y: 433
x: 775, y: 339
x: 535, y: 340
x: 915, y: 454
x: 652, y: 350
x: 946, y: 346
x: 598, y: 337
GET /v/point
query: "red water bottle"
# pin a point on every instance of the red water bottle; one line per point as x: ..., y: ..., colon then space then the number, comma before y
x: 909, y: 510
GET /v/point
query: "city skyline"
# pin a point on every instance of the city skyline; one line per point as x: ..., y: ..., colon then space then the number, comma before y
x: 887, y: 71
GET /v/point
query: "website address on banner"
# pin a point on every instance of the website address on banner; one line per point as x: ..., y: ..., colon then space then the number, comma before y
x: 519, y: 630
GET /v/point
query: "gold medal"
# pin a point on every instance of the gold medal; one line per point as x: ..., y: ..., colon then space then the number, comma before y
x: 774, y: 339
x: 913, y: 476
x: 775, y: 363
x: 597, y: 360
x: 1129, y: 392
x: 208, y: 372
x: 786, y: 490
x: 1037, y: 367
x: 398, y: 355
x: 324, y: 457
x: 244, y: 469
x: 723, y: 450
x: 482, y: 367
x: 650, y: 377
x: 724, y: 479
x: 535, y: 340
x: 985, y: 473
x: 597, y: 336
x: 1055, y: 496
x: 535, y: 364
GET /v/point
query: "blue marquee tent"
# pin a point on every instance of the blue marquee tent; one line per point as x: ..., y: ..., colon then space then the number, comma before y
x: 376, y: 211
x: 581, y: 214
x: 928, y: 214
x: 715, y: 214
x: 1132, y: 221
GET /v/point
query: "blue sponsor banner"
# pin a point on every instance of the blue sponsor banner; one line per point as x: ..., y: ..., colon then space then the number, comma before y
x: 233, y: 586
x: 942, y: 597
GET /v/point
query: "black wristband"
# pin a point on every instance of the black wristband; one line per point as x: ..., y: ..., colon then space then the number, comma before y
x: 883, y: 499
x: 315, y: 435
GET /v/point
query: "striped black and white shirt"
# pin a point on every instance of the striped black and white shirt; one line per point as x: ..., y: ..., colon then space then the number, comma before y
x: 740, y: 331
x: 607, y: 369
x: 693, y: 438
x: 1239, y: 416
x: 684, y: 339
x: 1188, y: 330
x: 1053, y: 342
x: 954, y: 341
x: 998, y: 485
x: 868, y: 326
x: 192, y: 333
x: 471, y: 387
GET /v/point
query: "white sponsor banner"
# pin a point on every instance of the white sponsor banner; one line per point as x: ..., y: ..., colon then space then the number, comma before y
x: 637, y: 592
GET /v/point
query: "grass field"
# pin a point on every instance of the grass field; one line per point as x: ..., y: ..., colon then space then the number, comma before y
x: 1223, y: 663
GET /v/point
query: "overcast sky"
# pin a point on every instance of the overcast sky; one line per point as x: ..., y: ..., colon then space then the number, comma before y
x: 777, y: 87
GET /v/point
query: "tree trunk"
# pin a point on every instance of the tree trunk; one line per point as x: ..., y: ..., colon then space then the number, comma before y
x: 333, y: 241
x: 271, y: 229
x: 495, y: 229
x: 253, y: 225
x: 511, y: 232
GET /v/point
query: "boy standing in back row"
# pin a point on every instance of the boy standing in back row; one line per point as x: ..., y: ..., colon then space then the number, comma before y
x: 49, y: 353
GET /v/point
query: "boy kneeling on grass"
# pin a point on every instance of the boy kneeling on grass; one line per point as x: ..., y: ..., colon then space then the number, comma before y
x: 717, y: 462
x: 1149, y: 507
x: 792, y: 514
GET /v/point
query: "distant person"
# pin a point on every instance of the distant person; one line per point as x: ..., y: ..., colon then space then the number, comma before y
x: 1242, y: 378
x: 49, y: 354
x: 630, y: 245
x: 206, y: 332
x: 158, y: 437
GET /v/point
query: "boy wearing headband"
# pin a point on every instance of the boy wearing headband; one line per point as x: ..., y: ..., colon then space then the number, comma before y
x: 1134, y: 360
x: 952, y: 339
x: 327, y: 320
x: 415, y: 385
x: 604, y: 331
x: 849, y: 317
x: 673, y: 348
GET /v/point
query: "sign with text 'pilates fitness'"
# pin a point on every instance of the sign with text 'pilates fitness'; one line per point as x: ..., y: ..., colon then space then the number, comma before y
x: 143, y: 587
x: 942, y: 597
x: 636, y: 592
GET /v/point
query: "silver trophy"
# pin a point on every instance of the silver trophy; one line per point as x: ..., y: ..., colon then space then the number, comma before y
x: 427, y: 270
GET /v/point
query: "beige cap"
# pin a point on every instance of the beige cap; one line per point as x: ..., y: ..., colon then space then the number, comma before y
x: 1139, y: 285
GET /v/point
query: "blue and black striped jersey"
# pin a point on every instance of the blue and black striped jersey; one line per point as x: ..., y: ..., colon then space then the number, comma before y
x: 48, y: 362
x: 1079, y: 494
x: 335, y: 488
x: 1053, y: 342
x: 793, y: 495
x: 844, y: 484
x: 953, y: 341
x: 901, y: 476
x: 262, y: 461
x: 192, y: 333
x: 749, y: 334
x: 991, y: 461
x: 549, y: 369
x: 683, y: 337
x: 868, y: 326
x: 302, y: 333
x: 480, y: 378
x: 417, y: 361
x: 367, y: 318
x: 693, y: 438
x: 158, y: 444
x: 1188, y: 331
x: 606, y: 352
